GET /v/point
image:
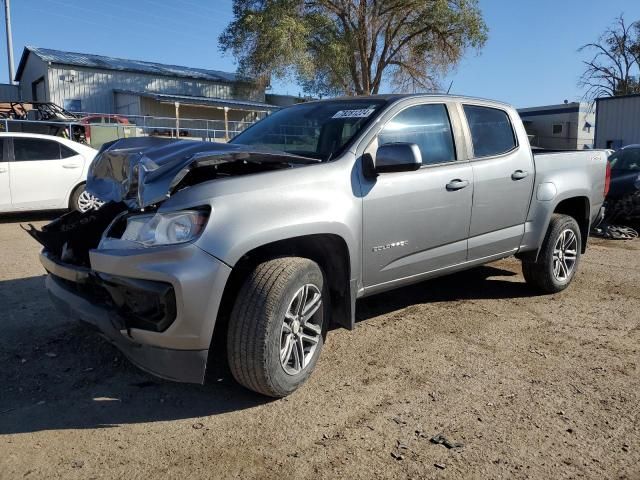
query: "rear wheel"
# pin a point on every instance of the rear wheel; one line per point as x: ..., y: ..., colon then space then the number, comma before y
x: 83, y: 201
x: 278, y: 325
x: 559, y: 256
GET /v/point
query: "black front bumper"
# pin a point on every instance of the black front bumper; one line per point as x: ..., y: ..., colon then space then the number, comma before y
x: 144, y: 304
x: 77, y: 291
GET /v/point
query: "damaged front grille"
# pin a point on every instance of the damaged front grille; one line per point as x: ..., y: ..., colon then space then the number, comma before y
x: 144, y: 304
x: 70, y: 237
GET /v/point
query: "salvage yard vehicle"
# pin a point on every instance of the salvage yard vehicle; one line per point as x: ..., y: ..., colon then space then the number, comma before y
x: 258, y: 246
x: 623, y: 200
x: 45, y: 118
x: 43, y: 172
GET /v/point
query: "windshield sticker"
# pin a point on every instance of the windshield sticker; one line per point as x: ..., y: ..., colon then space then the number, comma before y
x: 362, y: 113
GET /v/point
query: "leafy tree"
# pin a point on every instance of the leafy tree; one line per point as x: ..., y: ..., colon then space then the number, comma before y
x: 614, y: 68
x: 353, y: 46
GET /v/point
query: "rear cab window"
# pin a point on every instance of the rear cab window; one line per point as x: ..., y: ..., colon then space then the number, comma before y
x: 491, y: 131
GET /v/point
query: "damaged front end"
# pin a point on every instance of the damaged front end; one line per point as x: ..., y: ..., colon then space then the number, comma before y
x: 134, y: 303
x: 130, y: 268
x: 133, y: 177
x: 141, y: 172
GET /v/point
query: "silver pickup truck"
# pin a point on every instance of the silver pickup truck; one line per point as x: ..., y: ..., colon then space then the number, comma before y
x: 253, y: 249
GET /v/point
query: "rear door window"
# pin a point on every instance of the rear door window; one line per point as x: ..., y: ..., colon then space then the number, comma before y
x: 491, y: 131
x: 66, y: 152
x: 29, y: 149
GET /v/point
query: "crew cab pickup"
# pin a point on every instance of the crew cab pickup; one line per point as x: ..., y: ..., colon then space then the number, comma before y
x: 254, y: 248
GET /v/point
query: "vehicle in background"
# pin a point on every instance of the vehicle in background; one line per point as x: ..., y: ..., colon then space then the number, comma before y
x: 103, y: 128
x: 256, y: 247
x: 623, y: 200
x: 46, y: 118
x: 44, y: 172
x: 101, y: 119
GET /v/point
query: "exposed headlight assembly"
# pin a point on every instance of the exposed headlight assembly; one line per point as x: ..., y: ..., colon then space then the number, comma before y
x: 150, y: 230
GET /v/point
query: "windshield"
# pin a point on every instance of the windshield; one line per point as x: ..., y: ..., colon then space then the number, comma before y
x: 317, y: 130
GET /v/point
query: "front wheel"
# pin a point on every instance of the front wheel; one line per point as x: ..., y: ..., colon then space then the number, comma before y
x: 278, y: 325
x: 558, y: 258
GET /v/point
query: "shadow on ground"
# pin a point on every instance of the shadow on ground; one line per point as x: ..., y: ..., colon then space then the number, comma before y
x: 58, y: 374
x: 486, y: 282
x: 26, y: 217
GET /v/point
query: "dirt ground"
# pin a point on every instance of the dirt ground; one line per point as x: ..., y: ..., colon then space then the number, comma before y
x: 531, y: 386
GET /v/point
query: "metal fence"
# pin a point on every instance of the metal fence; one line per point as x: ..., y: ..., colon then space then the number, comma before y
x: 95, y: 133
x: 204, y: 129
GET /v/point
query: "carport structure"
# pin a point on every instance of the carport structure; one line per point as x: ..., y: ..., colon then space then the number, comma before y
x: 228, y: 115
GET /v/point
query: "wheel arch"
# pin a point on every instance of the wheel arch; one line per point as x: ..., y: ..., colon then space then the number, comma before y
x: 576, y: 206
x: 72, y: 191
x: 579, y: 209
x: 329, y: 251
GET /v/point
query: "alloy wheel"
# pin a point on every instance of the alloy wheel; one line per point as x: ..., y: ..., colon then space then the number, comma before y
x: 301, y: 329
x: 565, y: 254
x: 87, y: 202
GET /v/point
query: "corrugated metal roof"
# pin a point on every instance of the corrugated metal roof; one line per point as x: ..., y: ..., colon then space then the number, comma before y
x: 249, y: 105
x: 112, y: 63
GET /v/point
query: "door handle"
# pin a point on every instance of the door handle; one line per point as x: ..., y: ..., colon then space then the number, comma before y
x: 457, y: 184
x: 519, y: 175
x: 71, y: 165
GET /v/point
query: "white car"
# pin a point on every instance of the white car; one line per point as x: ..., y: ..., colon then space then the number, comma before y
x: 43, y: 172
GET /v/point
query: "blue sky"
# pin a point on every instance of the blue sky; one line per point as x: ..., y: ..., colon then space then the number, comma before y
x: 530, y: 59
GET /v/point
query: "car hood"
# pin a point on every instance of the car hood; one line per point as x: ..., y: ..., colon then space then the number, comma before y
x: 145, y: 171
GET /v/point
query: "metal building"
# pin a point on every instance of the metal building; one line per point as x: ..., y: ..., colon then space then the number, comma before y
x: 618, y: 121
x: 568, y: 126
x: 82, y: 82
x: 9, y: 93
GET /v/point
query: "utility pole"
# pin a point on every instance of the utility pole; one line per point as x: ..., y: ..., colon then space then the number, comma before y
x: 177, y: 105
x: 7, y: 19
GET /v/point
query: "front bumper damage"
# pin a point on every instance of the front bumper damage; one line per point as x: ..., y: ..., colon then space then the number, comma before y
x: 181, y: 288
x: 157, y: 304
x: 177, y: 365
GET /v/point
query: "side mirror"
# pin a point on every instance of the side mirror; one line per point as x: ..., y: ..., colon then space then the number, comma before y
x: 398, y: 157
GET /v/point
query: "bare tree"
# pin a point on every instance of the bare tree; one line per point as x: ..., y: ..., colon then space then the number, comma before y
x: 353, y: 46
x: 614, y: 68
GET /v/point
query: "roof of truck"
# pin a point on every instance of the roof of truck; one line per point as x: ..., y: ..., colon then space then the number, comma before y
x: 400, y: 96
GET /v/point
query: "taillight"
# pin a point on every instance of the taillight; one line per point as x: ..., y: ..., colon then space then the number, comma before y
x: 87, y: 133
x: 607, y: 179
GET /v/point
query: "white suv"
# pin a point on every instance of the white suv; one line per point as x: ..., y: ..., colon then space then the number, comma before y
x: 42, y: 172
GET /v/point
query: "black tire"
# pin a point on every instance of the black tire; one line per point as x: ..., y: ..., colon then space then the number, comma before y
x: 540, y: 274
x: 255, y: 333
x: 73, y: 201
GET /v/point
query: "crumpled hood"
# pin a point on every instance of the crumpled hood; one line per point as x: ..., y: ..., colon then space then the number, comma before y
x: 144, y: 171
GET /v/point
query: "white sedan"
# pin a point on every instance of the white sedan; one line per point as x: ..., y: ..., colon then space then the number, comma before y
x: 42, y: 172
